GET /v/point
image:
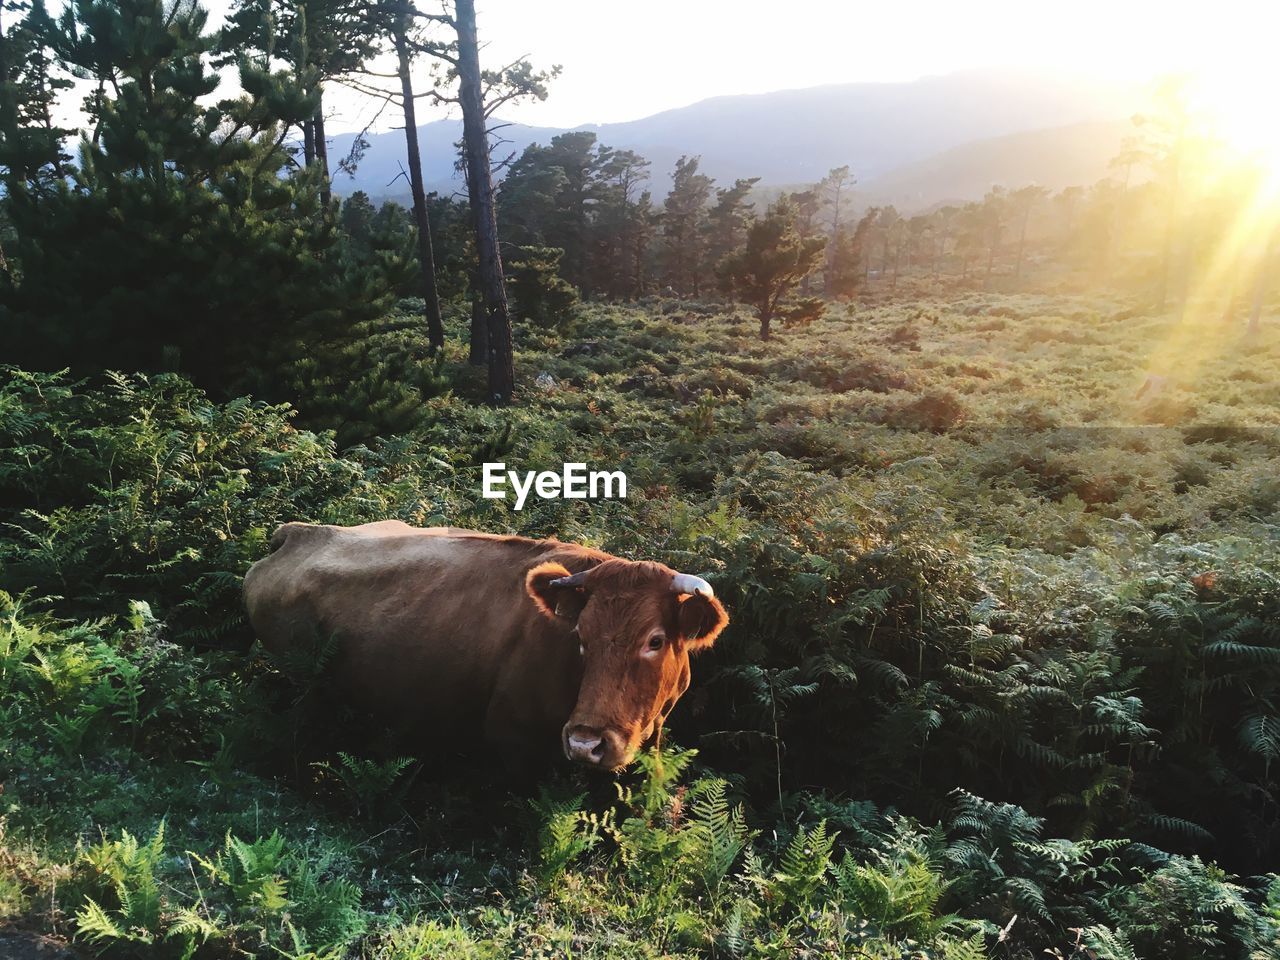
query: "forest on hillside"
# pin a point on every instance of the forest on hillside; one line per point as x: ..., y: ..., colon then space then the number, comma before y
x: 989, y: 490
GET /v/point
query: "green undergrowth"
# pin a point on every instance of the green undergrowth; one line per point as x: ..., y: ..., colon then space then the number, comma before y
x: 158, y: 828
x: 1003, y: 673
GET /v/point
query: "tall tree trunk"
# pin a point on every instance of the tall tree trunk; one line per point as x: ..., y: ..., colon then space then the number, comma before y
x: 322, y: 153
x: 766, y: 315
x: 308, y: 144
x: 426, y: 258
x: 478, y: 355
x: 478, y: 345
x: 475, y: 140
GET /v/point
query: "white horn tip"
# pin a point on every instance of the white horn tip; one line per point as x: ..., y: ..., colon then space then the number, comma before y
x: 686, y: 583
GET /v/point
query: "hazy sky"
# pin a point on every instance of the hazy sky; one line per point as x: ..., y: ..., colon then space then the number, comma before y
x: 627, y: 60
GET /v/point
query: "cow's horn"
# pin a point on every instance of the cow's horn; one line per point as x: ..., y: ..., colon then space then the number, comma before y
x: 685, y: 583
x: 577, y: 580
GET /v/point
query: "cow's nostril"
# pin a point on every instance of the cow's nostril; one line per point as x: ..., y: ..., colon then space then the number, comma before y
x: 588, y: 749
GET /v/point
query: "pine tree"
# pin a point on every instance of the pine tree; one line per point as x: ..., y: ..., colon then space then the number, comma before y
x: 357, y: 218
x: 579, y: 158
x: 31, y: 151
x: 728, y: 219
x: 645, y: 220
x: 622, y: 227
x: 684, y: 227
x: 994, y: 214
x: 539, y: 294
x: 1024, y: 201
x: 319, y: 41
x: 808, y: 207
x: 176, y: 243
x: 886, y: 222
x: 529, y: 195
x: 844, y: 271
x: 771, y: 264
x: 832, y: 192
x: 583, y: 198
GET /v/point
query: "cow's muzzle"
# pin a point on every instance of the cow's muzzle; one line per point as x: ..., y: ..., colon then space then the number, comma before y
x: 602, y: 749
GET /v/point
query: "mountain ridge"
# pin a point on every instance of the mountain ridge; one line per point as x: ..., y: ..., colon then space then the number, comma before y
x: 882, y: 130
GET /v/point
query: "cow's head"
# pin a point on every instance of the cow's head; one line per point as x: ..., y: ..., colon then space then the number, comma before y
x: 636, y: 624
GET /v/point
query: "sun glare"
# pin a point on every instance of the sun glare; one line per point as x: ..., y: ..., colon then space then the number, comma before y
x: 1238, y: 108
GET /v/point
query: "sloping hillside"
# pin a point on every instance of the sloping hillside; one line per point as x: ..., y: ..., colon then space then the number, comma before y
x: 1055, y: 158
x: 789, y: 136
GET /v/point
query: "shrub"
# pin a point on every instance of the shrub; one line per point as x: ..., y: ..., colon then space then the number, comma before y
x: 541, y: 296
x: 936, y: 411
x: 144, y: 488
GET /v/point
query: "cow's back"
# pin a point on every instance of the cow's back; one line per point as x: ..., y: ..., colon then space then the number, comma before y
x: 430, y: 628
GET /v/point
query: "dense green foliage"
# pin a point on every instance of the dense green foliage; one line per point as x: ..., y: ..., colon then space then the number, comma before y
x: 540, y: 295
x: 585, y: 200
x: 172, y: 242
x: 964, y: 560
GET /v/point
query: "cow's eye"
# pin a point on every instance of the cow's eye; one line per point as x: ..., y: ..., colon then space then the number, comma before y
x: 656, y: 641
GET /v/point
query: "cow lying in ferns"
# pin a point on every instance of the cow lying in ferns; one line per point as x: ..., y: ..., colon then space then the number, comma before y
x: 498, y: 643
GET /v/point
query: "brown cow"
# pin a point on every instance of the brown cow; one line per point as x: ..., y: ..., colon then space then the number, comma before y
x: 503, y: 641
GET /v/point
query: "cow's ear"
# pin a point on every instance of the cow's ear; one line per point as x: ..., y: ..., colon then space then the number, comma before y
x: 701, y: 620
x: 558, y: 603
